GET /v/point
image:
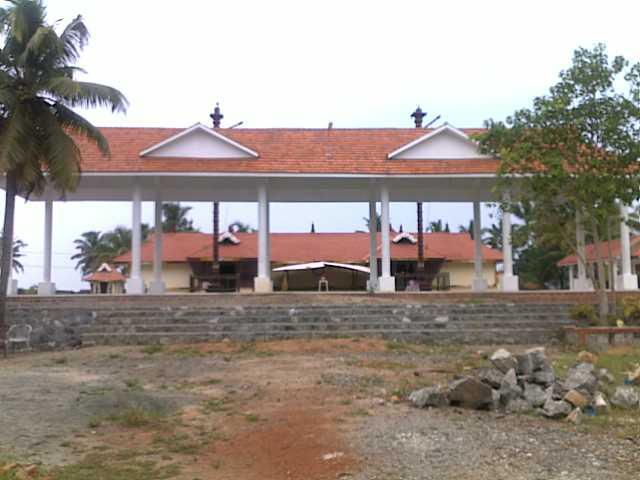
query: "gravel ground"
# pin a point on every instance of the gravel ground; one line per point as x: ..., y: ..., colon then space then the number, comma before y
x: 461, y: 444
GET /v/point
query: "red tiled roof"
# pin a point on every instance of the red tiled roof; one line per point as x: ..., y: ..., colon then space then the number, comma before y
x: 112, y: 276
x: 603, y: 247
x: 348, y: 151
x: 291, y: 248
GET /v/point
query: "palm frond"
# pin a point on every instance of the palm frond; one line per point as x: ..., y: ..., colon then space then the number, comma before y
x: 40, y: 44
x: 74, y: 38
x: 78, y: 124
x: 86, y: 94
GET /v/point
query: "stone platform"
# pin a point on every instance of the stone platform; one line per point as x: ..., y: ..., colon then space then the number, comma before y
x: 451, y: 317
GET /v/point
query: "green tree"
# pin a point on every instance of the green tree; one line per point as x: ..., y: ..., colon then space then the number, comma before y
x: 92, y: 252
x: 467, y: 229
x: 378, y: 222
x: 174, y: 218
x: 18, y: 245
x: 38, y: 92
x: 575, y: 151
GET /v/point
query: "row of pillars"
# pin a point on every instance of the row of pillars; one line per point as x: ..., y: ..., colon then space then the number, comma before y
x: 382, y: 283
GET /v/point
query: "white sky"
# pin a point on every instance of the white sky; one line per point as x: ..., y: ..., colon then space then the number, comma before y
x: 305, y: 63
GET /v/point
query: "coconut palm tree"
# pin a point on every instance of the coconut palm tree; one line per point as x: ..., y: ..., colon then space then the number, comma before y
x: 38, y: 92
x: 240, y: 227
x: 18, y: 245
x: 92, y: 251
x: 175, y: 218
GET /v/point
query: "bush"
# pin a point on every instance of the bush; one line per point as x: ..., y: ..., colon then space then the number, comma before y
x: 584, y: 313
x: 631, y: 310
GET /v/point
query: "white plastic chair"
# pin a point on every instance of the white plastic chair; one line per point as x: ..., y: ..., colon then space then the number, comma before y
x: 19, y: 334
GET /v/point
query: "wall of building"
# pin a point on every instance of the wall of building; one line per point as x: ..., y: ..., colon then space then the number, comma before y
x: 461, y: 273
x: 175, y: 275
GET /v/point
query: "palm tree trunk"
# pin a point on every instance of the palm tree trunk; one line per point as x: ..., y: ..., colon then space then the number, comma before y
x: 216, y: 234
x: 7, y: 249
x: 420, y: 238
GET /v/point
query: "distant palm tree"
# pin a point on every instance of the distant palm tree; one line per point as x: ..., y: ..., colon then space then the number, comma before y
x: 38, y: 125
x: 118, y: 241
x: 174, y: 218
x: 92, y: 252
x: 378, y: 222
x: 467, y: 229
x: 16, y: 254
x: 240, y: 227
x: 438, y: 227
x: 492, y: 236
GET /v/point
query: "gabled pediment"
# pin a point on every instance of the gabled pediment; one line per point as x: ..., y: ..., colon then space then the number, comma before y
x: 199, y: 142
x: 404, y: 237
x: 444, y: 143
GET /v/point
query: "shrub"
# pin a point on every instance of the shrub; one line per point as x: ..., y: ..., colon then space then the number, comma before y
x: 631, y: 310
x: 584, y: 313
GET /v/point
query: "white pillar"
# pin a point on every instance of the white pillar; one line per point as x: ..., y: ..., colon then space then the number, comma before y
x: 509, y: 280
x: 46, y: 287
x: 386, y: 283
x: 262, y: 283
x: 373, y: 246
x: 626, y: 281
x: 135, y: 284
x: 479, y: 282
x: 157, y: 285
x: 582, y: 283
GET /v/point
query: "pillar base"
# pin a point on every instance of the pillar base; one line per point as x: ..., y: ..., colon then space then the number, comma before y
x: 134, y: 286
x: 627, y: 281
x: 46, y: 288
x: 262, y: 285
x: 12, y: 287
x: 372, y: 285
x: 157, y: 287
x: 509, y: 283
x: 479, y: 285
x: 582, y: 285
x: 386, y: 284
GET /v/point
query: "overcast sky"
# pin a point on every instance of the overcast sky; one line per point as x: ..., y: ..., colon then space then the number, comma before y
x: 305, y: 63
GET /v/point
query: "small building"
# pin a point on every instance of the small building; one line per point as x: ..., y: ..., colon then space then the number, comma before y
x: 187, y: 259
x: 106, y: 280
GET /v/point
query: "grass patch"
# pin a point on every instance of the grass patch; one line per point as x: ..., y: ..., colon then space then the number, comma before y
x: 133, y: 384
x: 136, y: 417
x: 188, y: 352
x: 252, y: 417
x: 618, y: 360
x: 388, y: 365
x: 152, y: 349
x: 102, y: 466
x: 624, y: 424
x: 59, y: 361
x: 215, y: 405
x: 180, y: 443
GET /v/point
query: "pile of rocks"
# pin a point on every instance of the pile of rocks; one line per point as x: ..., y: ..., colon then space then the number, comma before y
x: 528, y: 382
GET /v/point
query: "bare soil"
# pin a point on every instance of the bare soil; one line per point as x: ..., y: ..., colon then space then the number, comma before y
x: 323, y: 409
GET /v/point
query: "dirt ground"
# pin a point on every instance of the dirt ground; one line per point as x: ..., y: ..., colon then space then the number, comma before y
x: 326, y: 409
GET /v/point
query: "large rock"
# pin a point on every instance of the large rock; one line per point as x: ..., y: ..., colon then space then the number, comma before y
x: 490, y: 376
x: 429, y: 397
x: 605, y: 376
x: 509, y: 388
x: 471, y: 393
x: 626, y: 397
x: 535, y: 394
x: 545, y: 376
x: 526, y: 364
x: 556, y: 408
x: 577, y: 399
x: 518, y: 405
x: 503, y: 360
x: 538, y: 358
x: 575, y: 416
x: 581, y: 377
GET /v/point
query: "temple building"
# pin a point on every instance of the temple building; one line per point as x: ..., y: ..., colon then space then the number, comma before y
x: 187, y: 260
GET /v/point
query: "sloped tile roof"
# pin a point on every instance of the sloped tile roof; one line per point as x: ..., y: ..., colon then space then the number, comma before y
x: 293, y: 151
x: 291, y: 248
x: 603, y: 247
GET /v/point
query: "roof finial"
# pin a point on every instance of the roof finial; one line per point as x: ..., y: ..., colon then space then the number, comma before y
x: 216, y: 116
x: 418, y: 115
x: 313, y: 227
x: 400, y: 229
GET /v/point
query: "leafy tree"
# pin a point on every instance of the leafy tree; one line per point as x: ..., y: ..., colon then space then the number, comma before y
x: 537, y: 268
x: 575, y: 151
x: 467, y: 229
x: 174, y: 218
x: 240, y: 227
x: 435, y: 226
x: 18, y: 245
x: 38, y: 92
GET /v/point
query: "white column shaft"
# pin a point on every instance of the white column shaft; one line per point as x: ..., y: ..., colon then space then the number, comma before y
x: 157, y: 251
x: 580, y: 242
x: 48, y: 234
x: 384, y: 234
x: 625, y: 244
x: 264, y: 270
x: 373, y: 244
x: 136, y: 233
x: 507, y: 251
x: 477, y: 237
